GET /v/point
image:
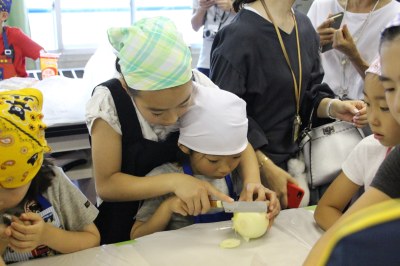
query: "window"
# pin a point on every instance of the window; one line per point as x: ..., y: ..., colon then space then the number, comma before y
x: 81, y: 24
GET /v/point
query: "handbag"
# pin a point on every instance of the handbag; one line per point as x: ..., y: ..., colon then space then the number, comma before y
x: 325, y: 148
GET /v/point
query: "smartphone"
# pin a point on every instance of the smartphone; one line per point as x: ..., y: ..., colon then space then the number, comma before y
x: 295, y: 195
x: 337, y: 21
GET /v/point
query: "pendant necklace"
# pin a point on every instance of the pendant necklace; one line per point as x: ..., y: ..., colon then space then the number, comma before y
x: 297, y: 83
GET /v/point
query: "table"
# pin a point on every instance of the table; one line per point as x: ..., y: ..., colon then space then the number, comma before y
x: 287, y: 243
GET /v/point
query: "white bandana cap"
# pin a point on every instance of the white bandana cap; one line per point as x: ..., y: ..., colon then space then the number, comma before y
x: 215, y: 124
x: 375, y: 67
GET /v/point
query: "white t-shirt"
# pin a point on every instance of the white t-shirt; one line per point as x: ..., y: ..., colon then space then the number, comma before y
x: 363, y: 162
x: 367, y: 43
x: 216, y: 19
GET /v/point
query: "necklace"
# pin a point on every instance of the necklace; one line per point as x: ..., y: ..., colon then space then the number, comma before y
x: 344, y: 60
x: 297, y: 83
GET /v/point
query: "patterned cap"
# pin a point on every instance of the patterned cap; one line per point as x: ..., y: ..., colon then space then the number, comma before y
x: 215, y: 124
x: 5, y: 5
x: 152, y: 53
x: 22, y: 141
x: 375, y: 67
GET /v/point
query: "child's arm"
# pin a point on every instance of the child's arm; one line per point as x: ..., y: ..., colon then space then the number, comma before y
x: 26, y: 237
x: 160, y: 219
x: 334, y: 201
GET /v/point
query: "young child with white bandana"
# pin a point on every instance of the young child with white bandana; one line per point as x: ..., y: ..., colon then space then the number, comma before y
x: 42, y: 212
x: 363, y: 162
x: 132, y: 121
x: 213, y: 135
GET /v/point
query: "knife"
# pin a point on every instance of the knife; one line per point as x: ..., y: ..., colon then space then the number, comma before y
x: 241, y: 206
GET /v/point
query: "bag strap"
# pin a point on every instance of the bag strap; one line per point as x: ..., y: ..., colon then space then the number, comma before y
x: 7, y: 51
x: 305, y: 135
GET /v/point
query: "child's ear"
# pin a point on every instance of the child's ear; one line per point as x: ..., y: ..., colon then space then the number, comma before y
x: 184, y: 149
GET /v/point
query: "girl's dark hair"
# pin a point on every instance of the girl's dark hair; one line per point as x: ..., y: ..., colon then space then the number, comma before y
x: 238, y: 4
x: 117, y: 66
x: 389, y: 34
x: 42, y: 181
x: 182, y: 157
x: 132, y: 92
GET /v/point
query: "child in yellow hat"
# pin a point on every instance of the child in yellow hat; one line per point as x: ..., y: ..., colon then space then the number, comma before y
x: 43, y: 213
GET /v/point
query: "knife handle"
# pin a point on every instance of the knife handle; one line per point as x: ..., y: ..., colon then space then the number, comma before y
x: 216, y: 204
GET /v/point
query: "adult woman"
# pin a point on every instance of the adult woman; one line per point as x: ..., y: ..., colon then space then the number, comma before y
x: 272, y: 62
x: 355, y: 43
x: 132, y: 121
x: 386, y: 183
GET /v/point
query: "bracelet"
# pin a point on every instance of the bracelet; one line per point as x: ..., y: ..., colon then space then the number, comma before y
x: 328, y: 109
x: 263, y: 161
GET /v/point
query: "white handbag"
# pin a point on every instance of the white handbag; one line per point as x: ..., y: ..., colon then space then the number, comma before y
x: 325, y: 148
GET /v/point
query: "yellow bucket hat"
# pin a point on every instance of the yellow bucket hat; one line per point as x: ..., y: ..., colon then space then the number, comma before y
x: 22, y: 141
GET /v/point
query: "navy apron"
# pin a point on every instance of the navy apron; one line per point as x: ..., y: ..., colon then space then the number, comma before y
x: 139, y: 157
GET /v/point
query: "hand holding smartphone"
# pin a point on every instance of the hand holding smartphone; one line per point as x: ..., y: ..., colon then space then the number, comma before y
x: 337, y: 21
x: 294, y: 194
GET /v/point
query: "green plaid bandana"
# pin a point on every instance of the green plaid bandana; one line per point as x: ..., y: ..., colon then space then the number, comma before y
x: 152, y: 53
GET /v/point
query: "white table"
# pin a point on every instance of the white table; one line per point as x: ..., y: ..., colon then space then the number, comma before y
x: 287, y: 243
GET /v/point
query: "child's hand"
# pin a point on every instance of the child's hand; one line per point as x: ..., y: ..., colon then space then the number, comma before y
x: 27, y: 232
x: 176, y: 205
x: 4, y: 235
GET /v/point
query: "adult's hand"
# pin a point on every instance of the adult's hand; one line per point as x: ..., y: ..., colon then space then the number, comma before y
x: 176, y: 205
x: 225, y: 5
x: 343, y: 41
x: 206, y: 4
x: 350, y: 111
x: 325, y: 31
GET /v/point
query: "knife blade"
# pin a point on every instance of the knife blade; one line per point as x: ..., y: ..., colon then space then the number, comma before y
x: 242, y: 206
